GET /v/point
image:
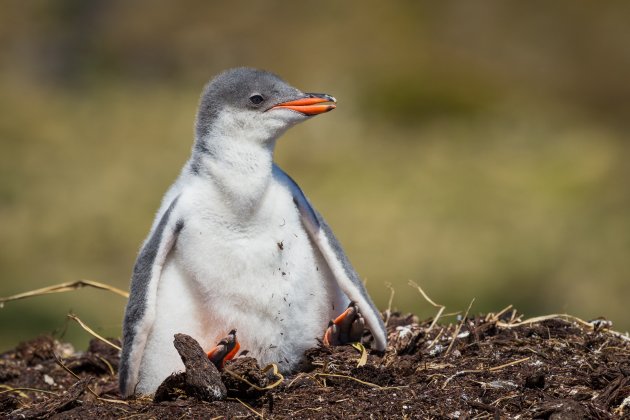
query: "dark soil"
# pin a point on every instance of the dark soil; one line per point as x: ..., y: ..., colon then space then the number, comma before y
x: 494, y: 368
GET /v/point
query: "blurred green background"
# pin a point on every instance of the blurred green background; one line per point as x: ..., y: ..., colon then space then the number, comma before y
x: 480, y: 149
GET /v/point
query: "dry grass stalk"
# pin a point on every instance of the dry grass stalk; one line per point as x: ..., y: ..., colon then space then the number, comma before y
x: 18, y: 391
x: 109, y: 365
x: 538, y: 319
x: 388, y: 312
x: 299, y: 376
x: 249, y: 408
x: 435, y: 340
x: 67, y: 369
x: 428, y: 299
x: 275, y: 372
x: 364, y: 356
x: 458, y: 328
x: 370, y: 384
x: 307, y: 409
x: 492, y: 317
x: 64, y: 287
x: 92, y: 332
x: 492, y: 369
x: 565, y: 317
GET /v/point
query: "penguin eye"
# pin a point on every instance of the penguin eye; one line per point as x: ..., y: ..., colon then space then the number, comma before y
x: 256, y: 99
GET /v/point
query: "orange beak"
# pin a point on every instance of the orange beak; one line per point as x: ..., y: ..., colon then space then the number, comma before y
x: 312, y: 105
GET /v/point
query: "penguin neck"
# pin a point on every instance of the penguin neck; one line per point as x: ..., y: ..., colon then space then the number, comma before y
x: 241, y: 170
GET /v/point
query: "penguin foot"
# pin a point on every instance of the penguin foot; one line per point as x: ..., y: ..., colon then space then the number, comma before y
x: 225, y: 350
x: 346, y: 328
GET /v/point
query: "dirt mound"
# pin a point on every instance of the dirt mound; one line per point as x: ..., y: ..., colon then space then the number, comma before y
x: 482, y: 367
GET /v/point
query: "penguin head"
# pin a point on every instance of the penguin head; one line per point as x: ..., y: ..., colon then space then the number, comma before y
x: 252, y: 105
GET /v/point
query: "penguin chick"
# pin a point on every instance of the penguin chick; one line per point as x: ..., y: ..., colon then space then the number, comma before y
x: 236, y: 245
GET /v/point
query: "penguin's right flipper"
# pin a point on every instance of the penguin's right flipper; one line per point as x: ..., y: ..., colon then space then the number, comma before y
x: 345, y: 275
x: 140, y: 311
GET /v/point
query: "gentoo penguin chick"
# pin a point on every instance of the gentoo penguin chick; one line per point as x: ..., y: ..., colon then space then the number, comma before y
x: 236, y: 245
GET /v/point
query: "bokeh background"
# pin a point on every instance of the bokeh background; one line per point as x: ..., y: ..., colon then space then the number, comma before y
x: 479, y: 148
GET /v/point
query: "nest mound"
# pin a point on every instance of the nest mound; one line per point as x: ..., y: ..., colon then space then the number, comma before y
x: 480, y: 367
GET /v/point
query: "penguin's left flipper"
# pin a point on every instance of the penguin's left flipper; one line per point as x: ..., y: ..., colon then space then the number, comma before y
x: 225, y: 350
x: 346, y: 328
x: 347, y: 278
x: 141, y: 308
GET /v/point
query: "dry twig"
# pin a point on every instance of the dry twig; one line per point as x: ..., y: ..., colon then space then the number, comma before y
x: 564, y: 317
x: 64, y: 367
x: 91, y: 331
x: 388, y: 311
x: 435, y: 305
x: 64, y: 287
x: 249, y: 408
x: 492, y: 369
x: 492, y: 317
x: 265, y: 370
x: 8, y: 388
x: 370, y: 384
x: 458, y: 328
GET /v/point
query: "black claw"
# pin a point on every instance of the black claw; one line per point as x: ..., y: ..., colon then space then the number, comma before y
x: 334, y: 335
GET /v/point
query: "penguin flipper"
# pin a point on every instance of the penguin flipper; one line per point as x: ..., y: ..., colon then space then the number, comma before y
x: 140, y: 310
x: 322, y: 236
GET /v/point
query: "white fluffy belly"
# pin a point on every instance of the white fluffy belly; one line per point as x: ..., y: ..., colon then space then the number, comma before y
x: 267, y: 283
